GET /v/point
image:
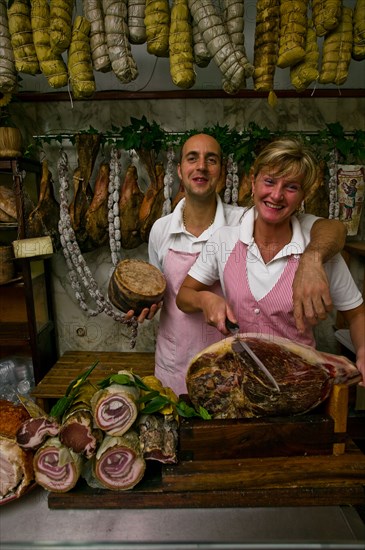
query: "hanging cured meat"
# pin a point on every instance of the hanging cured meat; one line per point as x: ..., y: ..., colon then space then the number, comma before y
x: 97, y: 214
x: 87, y: 146
x: 230, y: 385
x: 131, y: 198
x: 43, y: 220
x: 152, y: 204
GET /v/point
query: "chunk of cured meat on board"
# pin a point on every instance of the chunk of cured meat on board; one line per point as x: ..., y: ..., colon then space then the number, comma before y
x: 230, y: 385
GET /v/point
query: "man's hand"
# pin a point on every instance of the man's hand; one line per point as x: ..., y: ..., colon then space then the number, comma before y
x: 311, y: 295
x: 146, y: 313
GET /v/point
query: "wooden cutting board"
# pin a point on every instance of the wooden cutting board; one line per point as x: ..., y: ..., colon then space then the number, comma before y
x: 275, y: 481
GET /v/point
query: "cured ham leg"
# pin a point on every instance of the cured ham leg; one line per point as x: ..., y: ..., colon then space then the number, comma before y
x: 152, y: 204
x: 118, y: 464
x: 229, y: 385
x: 43, y: 220
x: 130, y: 202
x: 97, y: 214
x: 115, y: 408
x: 56, y: 467
x: 87, y: 149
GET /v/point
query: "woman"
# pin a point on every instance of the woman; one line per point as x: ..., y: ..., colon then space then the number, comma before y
x: 256, y: 261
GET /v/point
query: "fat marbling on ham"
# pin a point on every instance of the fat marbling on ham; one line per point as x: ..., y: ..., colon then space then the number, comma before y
x: 230, y: 385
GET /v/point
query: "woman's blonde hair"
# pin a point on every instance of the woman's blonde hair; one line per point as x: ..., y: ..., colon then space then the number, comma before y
x: 288, y: 156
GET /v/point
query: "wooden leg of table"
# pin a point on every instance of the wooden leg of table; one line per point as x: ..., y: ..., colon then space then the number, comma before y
x: 337, y: 407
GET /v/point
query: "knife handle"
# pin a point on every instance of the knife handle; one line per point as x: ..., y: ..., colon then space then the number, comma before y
x: 232, y: 327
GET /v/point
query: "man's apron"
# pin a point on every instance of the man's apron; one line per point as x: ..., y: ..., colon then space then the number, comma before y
x: 180, y: 335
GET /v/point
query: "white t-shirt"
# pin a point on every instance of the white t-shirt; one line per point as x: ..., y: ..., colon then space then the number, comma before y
x: 210, y: 265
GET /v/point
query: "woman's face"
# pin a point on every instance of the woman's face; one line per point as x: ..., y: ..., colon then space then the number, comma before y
x: 276, y: 197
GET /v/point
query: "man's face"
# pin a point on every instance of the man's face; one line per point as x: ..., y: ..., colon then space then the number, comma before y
x: 200, y: 166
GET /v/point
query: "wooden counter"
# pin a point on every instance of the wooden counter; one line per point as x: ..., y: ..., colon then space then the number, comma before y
x: 72, y: 363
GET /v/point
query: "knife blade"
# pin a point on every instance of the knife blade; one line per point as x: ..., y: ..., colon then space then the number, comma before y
x: 243, y: 346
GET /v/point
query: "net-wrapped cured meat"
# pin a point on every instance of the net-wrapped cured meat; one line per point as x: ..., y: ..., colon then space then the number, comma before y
x: 56, y: 467
x: 293, y: 30
x: 120, y: 53
x: 181, y: 46
x: 326, y: 15
x: 79, y: 60
x: 20, y: 29
x: 337, y: 47
x: 266, y: 45
x: 358, y: 44
x: 157, y: 22
x: 306, y: 71
x: 115, y: 408
x: 135, y: 21
x: 93, y: 11
x: 60, y: 29
x: 51, y: 64
x: 230, y: 385
x: 232, y: 62
x: 8, y: 76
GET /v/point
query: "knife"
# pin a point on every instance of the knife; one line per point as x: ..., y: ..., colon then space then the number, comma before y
x: 243, y: 346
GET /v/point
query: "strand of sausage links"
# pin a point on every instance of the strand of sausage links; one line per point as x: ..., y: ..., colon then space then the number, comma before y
x: 168, y: 181
x: 78, y: 269
x: 334, y: 205
x: 232, y: 182
x: 113, y: 206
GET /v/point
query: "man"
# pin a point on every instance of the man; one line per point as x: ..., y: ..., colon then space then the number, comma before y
x: 176, y: 240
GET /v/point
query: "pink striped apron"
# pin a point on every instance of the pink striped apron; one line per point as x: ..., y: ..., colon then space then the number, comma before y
x: 272, y: 314
x: 180, y: 335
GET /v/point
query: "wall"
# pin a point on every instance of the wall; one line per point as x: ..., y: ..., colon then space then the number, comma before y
x: 75, y: 330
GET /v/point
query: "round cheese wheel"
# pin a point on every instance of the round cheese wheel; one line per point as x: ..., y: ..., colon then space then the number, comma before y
x: 136, y: 284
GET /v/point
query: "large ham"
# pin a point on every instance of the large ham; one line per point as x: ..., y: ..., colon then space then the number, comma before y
x: 130, y: 201
x: 43, y: 220
x: 230, y: 385
x: 151, y: 207
x: 97, y: 214
x: 87, y: 149
x: 16, y: 464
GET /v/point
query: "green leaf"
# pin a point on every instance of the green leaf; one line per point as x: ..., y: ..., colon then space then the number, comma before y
x: 148, y: 396
x: 60, y: 407
x: 156, y: 404
x: 187, y: 411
